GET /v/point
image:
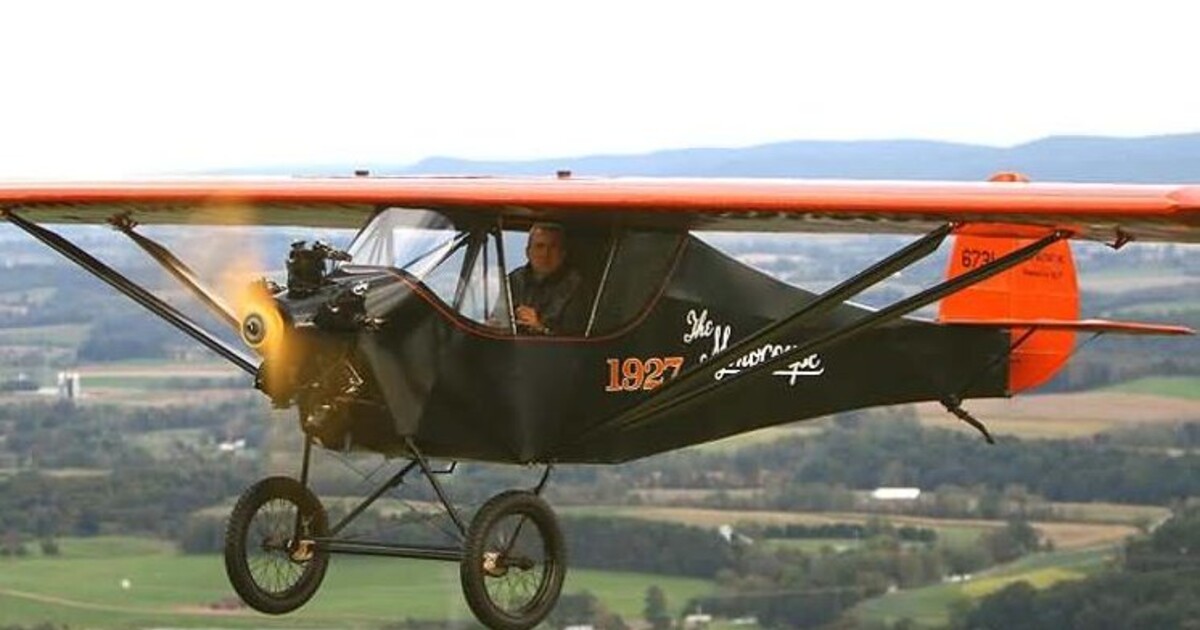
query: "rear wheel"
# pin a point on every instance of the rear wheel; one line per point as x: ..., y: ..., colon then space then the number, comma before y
x: 269, y: 555
x: 514, y: 562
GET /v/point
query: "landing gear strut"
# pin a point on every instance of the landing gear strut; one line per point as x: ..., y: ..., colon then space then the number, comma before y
x: 512, y: 556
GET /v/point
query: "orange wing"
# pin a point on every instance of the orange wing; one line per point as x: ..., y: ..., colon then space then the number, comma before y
x: 1094, y: 211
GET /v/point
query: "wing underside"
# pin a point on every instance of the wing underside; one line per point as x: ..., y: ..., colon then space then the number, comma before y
x: 1109, y: 212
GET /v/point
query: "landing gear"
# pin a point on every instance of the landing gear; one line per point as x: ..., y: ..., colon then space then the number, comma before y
x: 270, y: 555
x: 514, y: 563
x: 512, y: 556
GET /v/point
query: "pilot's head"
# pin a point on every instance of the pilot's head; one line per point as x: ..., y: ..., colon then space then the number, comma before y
x: 546, y: 249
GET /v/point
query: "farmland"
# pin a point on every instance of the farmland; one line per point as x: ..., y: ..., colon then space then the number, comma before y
x: 1167, y: 386
x: 929, y: 606
x: 1074, y: 415
x: 1064, y: 535
x: 83, y: 587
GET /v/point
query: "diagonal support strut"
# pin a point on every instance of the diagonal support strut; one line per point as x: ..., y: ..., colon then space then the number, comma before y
x: 869, y: 277
x: 700, y: 376
x: 132, y: 290
x: 655, y: 405
x: 178, y: 269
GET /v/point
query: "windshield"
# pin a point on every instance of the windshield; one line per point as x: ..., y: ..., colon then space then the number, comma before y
x: 405, y: 238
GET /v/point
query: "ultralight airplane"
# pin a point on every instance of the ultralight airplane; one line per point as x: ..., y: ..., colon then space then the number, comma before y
x: 409, y: 344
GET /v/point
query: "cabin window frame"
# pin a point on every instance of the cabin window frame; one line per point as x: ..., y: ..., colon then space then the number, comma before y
x: 485, y: 236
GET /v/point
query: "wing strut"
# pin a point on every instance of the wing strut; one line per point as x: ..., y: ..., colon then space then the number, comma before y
x: 700, y: 376
x: 178, y: 269
x: 706, y: 381
x: 132, y: 290
x: 869, y: 277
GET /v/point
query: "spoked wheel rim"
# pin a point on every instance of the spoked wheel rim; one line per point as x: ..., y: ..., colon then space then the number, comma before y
x: 277, y: 563
x: 517, y: 564
x: 514, y: 561
x: 274, y: 565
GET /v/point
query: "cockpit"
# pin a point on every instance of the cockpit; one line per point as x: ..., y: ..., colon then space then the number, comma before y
x: 470, y: 266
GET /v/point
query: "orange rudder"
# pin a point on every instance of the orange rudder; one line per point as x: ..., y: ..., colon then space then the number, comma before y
x: 1044, y: 287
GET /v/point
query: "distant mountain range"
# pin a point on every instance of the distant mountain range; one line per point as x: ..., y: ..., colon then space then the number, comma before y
x: 1173, y: 158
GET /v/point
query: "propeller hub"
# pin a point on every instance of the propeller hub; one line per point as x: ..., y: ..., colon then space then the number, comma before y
x: 254, y: 329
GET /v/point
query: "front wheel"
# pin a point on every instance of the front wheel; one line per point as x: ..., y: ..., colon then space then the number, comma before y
x: 514, y: 562
x: 270, y: 557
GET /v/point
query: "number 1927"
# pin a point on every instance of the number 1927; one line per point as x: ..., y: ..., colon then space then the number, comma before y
x: 634, y: 374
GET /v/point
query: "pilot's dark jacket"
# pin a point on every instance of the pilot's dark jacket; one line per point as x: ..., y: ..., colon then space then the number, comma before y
x: 558, y: 298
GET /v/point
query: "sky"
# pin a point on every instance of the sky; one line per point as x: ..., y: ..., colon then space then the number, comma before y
x: 120, y: 88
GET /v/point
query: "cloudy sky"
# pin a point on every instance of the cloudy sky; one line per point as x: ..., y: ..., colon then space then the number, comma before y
x: 122, y: 88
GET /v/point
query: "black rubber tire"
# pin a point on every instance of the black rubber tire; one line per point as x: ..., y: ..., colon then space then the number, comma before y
x: 283, y: 496
x: 545, y: 541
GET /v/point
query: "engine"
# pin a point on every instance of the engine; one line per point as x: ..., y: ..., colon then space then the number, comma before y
x: 305, y: 333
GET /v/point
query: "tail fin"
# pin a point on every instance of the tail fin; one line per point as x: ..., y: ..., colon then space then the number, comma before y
x: 1042, y: 288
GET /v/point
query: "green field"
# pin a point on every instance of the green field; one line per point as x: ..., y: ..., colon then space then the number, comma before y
x: 812, y: 545
x: 946, y: 536
x: 760, y: 437
x: 951, y: 532
x: 33, y: 296
x: 1170, y: 308
x: 1175, y: 386
x: 143, y: 382
x: 929, y: 606
x: 83, y: 588
x: 164, y: 442
x: 64, y: 336
x: 1118, y: 513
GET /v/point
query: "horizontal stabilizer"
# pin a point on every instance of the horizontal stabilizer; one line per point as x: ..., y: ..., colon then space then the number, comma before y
x: 1043, y: 289
x: 1077, y: 325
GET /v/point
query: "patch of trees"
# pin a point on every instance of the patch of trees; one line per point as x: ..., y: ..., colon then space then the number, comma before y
x: 1122, y: 600
x: 127, y: 491
x: 64, y: 435
x: 15, y: 544
x: 1010, y: 542
x: 584, y: 609
x: 246, y: 419
x: 1182, y: 435
x: 897, y: 452
x: 1059, y: 470
x: 784, y: 609
x: 1159, y: 587
x: 73, y: 288
x: 61, y: 435
x: 616, y: 544
x: 1174, y: 545
x: 74, y: 285
x: 787, y: 588
x: 905, y: 533
x: 865, y: 450
x: 18, y: 385
x: 622, y: 544
x: 120, y: 338
x: 150, y: 498
x: 963, y: 477
x: 655, y: 611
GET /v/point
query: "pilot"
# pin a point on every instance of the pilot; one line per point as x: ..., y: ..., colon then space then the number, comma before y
x: 546, y: 292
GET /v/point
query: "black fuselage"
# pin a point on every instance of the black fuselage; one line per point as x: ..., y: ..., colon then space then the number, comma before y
x: 465, y: 390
